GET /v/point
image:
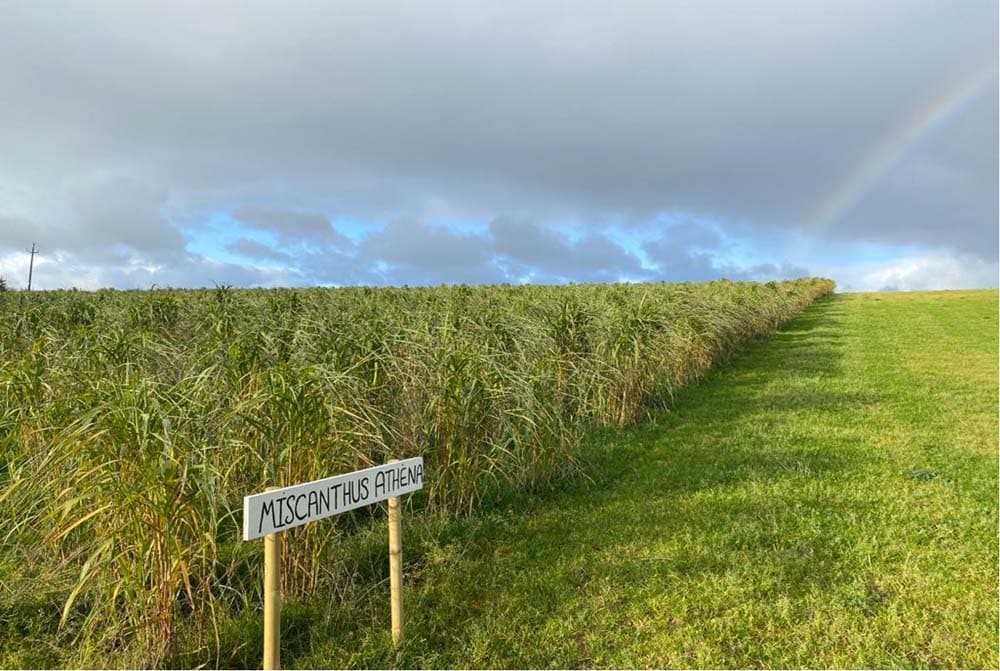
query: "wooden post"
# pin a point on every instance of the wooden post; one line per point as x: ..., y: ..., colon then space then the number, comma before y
x: 272, y: 600
x: 31, y: 267
x: 396, y: 568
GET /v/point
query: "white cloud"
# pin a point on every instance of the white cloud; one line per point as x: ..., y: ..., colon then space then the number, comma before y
x: 61, y: 270
x: 928, y: 272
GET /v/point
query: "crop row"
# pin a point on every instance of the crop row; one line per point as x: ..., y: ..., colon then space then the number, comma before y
x: 132, y: 423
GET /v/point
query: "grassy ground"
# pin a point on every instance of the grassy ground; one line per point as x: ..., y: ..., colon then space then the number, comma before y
x: 827, y: 499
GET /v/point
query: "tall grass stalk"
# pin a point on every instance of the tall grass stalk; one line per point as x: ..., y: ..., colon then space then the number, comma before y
x: 132, y: 423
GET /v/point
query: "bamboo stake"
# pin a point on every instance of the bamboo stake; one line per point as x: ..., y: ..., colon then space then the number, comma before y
x: 396, y: 568
x: 272, y: 600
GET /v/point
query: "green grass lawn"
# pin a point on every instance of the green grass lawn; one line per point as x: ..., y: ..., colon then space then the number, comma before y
x: 826, y: 499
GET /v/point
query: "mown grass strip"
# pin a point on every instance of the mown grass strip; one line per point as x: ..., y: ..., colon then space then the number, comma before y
x: 826, y: 500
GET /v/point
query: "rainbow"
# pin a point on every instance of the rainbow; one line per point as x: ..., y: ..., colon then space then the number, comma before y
x: 927, y: 119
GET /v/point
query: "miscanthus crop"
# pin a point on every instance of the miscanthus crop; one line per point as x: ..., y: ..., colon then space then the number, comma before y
x: 133, y: 423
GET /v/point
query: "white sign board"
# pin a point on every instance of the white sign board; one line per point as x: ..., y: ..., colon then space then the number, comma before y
x: 291, y: 507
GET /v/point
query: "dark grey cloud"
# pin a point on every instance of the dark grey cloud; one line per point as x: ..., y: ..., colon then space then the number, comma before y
x: 16, y: 231
x: 766, y: 272
x: 690, y: 234
x: 748, y: 112
x: 409, y: 242
x: 256, y: 250
x: 527, y: 249
x: 410, y: 251
x: 691, y: 251
x: 330, y: 266
x: 98, y: 217
x: 686, y: 251
x: 128, y: 214
x: 681, y: 265
x: 291, y: 226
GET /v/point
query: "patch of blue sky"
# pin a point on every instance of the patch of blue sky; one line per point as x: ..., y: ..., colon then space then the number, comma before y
x: 356, y: 230
x: 745, y: 251
x: 211, y: 237
x: 727, y: 243
x: 571, y: 228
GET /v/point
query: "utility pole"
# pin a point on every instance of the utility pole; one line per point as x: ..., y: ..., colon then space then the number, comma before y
x: 31, y: 265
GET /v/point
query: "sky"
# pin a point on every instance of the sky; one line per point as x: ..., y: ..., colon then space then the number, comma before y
x: 417, y: 143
